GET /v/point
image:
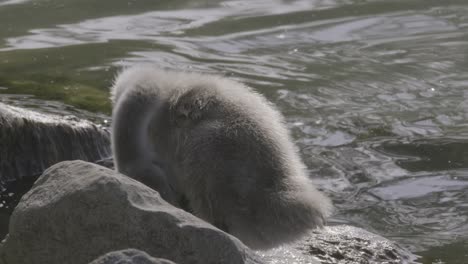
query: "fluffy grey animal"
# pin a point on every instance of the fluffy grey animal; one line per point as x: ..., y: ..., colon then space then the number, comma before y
x: 219, y: 144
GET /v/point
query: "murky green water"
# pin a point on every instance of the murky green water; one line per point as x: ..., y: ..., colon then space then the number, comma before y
x: 375, y: 91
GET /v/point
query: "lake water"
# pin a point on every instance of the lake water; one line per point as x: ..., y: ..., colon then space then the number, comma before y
x: 374, y: 91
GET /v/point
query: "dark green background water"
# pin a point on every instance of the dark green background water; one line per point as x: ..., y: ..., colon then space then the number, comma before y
x: 375, y: 92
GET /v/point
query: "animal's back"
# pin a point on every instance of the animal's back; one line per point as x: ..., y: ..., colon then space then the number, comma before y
x: 241, y: 170
x: 226, y: 148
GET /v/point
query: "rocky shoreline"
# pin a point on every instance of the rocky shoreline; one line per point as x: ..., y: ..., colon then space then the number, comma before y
x: 80, y: 212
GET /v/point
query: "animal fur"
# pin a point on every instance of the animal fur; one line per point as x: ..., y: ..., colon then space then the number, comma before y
x: 219, y: 144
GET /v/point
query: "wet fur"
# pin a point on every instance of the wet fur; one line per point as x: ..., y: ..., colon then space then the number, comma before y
x: 219, y: 144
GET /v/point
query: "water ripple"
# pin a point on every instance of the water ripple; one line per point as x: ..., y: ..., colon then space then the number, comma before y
x: 375, y: 92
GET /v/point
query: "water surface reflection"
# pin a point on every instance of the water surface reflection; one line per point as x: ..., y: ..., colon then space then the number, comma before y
x: 375, y: 92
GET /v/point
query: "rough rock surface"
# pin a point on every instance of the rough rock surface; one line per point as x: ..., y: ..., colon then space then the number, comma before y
x: 339, y: 245
x: 129, y: 256
x: 30, y: 142
x: 78, y: 211
x: 333, y: 244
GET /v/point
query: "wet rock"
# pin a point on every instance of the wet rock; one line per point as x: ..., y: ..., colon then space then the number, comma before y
x: 30, y: 142
x: 129, y: 256
x: 107, y: 162
x: 340, y: 244
x: 347, y: 244
x: 77, y: 211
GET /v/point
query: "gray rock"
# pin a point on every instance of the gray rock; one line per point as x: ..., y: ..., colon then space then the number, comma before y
x: 30, y: 142
x: 77, y: 211
x: 340, y: 244
x: 129, y: 256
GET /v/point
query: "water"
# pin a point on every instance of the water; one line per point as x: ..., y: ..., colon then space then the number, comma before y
x: 374, y: 91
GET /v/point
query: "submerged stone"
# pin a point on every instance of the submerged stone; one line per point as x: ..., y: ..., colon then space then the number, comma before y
x: 340, y: 244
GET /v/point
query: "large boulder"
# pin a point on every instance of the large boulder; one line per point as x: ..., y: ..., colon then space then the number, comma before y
x: 77, y: 211
x: 129, y: 256
x: 31, y: 141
